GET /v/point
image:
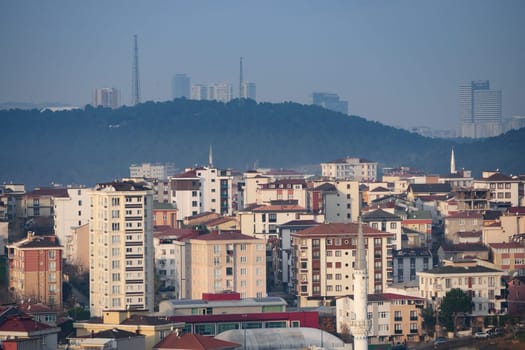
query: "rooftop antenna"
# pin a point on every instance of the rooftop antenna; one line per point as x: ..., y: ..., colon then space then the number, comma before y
x: 135, y: 82
x: 241, y: 82
x: 210, y: 157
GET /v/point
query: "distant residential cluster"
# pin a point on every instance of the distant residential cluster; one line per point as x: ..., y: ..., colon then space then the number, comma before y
x: 356, y: 252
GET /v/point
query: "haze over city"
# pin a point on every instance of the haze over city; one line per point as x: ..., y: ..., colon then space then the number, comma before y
x: 399, y: 63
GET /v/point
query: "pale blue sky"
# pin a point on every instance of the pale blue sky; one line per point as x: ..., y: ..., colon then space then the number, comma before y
x: 397, y: 62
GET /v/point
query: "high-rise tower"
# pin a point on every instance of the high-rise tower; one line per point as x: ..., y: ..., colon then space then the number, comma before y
x: 135, y: 81
x: 360, y: 325
x: 241, y: 79
x: 479, y: 109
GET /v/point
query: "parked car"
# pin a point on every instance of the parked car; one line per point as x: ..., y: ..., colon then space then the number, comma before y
x: 440, y: 341
x: 481, y: 335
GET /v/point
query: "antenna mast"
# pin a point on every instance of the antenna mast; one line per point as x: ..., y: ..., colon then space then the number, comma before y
x: 240, y: 79
x: 135, y: 82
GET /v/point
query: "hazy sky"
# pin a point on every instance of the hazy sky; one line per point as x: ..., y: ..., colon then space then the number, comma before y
x: 397, y: 62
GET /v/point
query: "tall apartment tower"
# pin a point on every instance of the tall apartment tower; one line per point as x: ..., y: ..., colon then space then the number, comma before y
x: 479, y: 110
x: 106, y: 97
x: 249, y: 90
x: 135, y: 80
x: 121, y: 248
x: 180, y: 86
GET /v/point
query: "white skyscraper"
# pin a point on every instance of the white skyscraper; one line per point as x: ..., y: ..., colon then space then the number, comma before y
x: 106, y: 97
x: 121, y: 248
x: 479, y: 110
x: 249, y: 90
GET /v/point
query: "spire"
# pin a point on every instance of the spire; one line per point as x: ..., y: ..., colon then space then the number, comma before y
x: 452, y: 163
x: 241, y: 82
x: 210, y: 157
x: 360, y: 259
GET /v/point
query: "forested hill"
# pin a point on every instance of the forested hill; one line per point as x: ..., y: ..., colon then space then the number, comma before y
x: 97, y: 144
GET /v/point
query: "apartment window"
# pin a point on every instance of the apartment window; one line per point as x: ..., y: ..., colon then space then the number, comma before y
x: 115, y: 289
x: 116, y: 201
x: 216, y: 260
x: 374, y: 225
x: 243, y: 246
x: 243, y: 260
x: 329, y: 276
x: 500, y: 186
x: 259, y: 271
x: 263, y: 217
x: 259, y: 259
x: 115, y: 239
x: 413, y: 327
x: 115, y: 214
x: 383, y: 314
x: 337, y: 253
x: 507, y: 185
x: 194, y: 203
x: 115, y: 226
x: 52, y: 287
x: 216, y: 249
x: 115, y: 251
x: 272, y: 217
x: 243, y: 271
x: 115, y: 264
x: 338, y: 288
x: 229, y: 271
x: 52, y: 266
x: 328, y: 253
x: 115, y: 277
x: 52, y: 277
x: 397, y: 316
x: 447, y: 283
x: 393, y: 225
x: 51, y: 254
x: 338, y: 276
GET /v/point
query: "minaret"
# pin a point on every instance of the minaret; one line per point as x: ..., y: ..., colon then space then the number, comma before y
x: 135, y: 81
x: 452, y: 163
x: 210, y: 158
x: 360, y: 325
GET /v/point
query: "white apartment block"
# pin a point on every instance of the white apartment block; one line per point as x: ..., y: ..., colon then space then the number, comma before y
x: 324, y: 261
x: 170, y: 264
x: 185, y: 193
x: 226, y: 261
x: 503, y: 188
x: 70, y: 213
x: 338, y: 200
x: 481, y: 283
x: 387, y: 222
x: 221, y: 92
x: 121, y: 248
x: 393, y: 317
x: 152, y: 171
x: 216, y: 190
x: 283, y: 190
x: 350, y: 169
x: 262, y: 221
x: 252, y: 181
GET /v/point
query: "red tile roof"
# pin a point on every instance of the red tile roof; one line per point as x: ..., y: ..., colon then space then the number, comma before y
x: 517, y: 210
x: 465, y: 215
x: 187, y: 174
x: 193, y: 342
x: 506, y: 245
x: 50, y: 192
x: 22, y: 323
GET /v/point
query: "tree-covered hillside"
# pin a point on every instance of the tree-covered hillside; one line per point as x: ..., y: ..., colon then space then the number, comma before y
x: 97, y: 144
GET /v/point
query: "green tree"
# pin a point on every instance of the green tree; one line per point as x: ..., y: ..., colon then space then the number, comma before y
x: 454, y: 303
x: 429, y: 320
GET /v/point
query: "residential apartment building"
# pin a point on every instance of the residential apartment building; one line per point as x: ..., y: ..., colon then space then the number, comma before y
x: 252, y: 180
x: 463, y: 221
x: 185, y: 191
x: 216, y: 190
x: 35, y: 269
x: 70, y: 212
x: 481, y: 283
x: 40, y: 202
x: 505, y: 190
x: 357, y: 169
x: 338, y: 200
x: 324, y: 258
x: 509, y: 257
x: 221, y: 92
x: 394, y: 318
x: 152, y: 170
x: 262, y: 221
x: 121, y: 247
x: 285, y: 190
x: 385, y: 221
x: 407, y: 262
x: 221, y: 261
x: 249, y: 90
x: 164, y: 214
x: 180, y: 86
x: 420, y: 221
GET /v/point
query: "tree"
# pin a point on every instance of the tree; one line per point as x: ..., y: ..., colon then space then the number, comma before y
x: 429, y: 320
x: 455, y: 302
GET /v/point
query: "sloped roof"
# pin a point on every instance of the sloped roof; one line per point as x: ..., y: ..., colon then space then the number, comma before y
x: 48, y: 191
x: 340, y: 229
x: 430, y: 188
x: 380, y: 214
x: 193, y: 342
x: 326, y: 187
x: 23, y: 323
x: 223, y: 235
x: 460, y: 269
x: 463, y: 247
x: 465, y: 215
x: 114, y: 333
x: 498, y: 177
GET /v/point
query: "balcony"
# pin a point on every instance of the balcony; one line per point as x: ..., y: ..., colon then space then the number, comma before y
x: 413, y: 331
x: 398, y: 331
x: 413, y: 318
x: 398, y: 318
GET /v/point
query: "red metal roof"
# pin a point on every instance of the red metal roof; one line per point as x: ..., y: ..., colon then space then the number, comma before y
x: 193, y: 341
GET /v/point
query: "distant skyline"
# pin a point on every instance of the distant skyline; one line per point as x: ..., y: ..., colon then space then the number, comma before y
x: 397, y: 62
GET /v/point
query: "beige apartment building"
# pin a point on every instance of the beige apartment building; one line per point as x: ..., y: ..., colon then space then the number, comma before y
x: 393, y: 317
x: 226, y: 261
x: 481, y: 283
x: 324, y: 261
x: 121, y: 248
